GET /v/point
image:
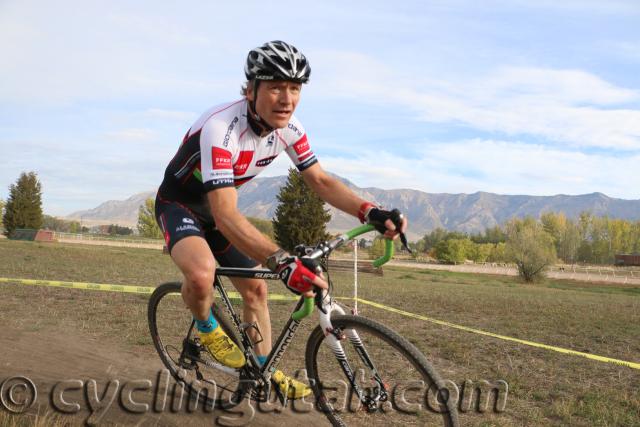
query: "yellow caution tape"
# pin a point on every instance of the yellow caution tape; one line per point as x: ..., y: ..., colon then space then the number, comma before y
x: 81, y: 285
x: 279, y: 297
x: 117, y: 288
x: 502, y: 337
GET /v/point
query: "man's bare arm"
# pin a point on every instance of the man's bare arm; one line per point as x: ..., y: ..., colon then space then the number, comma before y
x: 340, y: 196
x: 331, y: 190
x: 236, y: 228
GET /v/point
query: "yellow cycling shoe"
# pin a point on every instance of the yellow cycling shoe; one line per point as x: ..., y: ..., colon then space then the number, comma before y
x: 294, y: 389
x: 222, y: 348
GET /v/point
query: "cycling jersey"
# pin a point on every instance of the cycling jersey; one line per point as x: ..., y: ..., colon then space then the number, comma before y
x: 222, y: 150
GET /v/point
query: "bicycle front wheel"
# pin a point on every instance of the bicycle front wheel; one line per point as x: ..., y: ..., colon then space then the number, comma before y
x: 391, y: 382
x: 190, y: 364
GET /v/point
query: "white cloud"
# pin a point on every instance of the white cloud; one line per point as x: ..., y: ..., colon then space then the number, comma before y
x: 495, y: 166
x: 568, y: 107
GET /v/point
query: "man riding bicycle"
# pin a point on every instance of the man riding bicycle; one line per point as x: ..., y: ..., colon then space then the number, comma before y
x: 196, y: 204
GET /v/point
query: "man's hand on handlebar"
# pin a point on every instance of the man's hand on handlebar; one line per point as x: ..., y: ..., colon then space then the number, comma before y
x: 390, y: 223
x: 300, y: 275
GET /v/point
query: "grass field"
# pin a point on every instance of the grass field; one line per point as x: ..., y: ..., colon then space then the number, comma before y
x: 545, y: 387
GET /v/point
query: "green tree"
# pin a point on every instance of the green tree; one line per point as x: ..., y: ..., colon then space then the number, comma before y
x: 24, y: 205
x: 118, y: 230
x: 263, y: 225
x: 491, y: 235
x: 147, y: 225
x: 377, y: 248
x: 437, y: 235
x: 300, y: 216
x: 530, y: 247
x: 498, y: 253
x: 479, y: 252
x: 453, y: 251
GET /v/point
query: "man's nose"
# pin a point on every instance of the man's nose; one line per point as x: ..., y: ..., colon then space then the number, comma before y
x: 285, y: 96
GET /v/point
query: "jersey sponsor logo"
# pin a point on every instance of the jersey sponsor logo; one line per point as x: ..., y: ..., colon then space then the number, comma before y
x: 222, y: 181
x: 294, y: 128
x: 188, y: 221
x: 224, y: 173
x: 225, y: 142
x: 243, y: 162
x: 271, y: 139
x: 265, y: 161
x: 301, y: 146
x: 220, y: 159
x: 187, y: 227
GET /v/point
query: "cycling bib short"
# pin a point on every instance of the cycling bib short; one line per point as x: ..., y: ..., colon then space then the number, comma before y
x: 221, y: 149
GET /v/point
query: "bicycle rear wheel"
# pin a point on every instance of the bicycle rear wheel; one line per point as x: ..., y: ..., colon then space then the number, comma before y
x: 174, y: 337
x: 398, y: 385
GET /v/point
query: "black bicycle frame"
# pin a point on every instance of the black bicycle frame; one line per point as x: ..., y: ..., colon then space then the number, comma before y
x: 288, y: 332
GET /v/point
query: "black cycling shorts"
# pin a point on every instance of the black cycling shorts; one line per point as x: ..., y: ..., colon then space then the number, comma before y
x: 178, y: 221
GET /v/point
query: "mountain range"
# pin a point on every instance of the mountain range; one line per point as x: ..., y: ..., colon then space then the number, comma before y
x: 426, y: 211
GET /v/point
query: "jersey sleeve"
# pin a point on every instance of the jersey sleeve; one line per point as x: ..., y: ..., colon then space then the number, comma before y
x: 217, y: 144
x: 298, y: 148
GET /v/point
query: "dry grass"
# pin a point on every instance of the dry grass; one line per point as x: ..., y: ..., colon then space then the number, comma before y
x: 546, y: 388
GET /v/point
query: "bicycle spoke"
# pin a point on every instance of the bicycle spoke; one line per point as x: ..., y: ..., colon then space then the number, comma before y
x: 181, y: 353
x: 394, y: 384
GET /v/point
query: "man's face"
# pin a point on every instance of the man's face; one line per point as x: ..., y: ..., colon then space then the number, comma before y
x: 276, y: 101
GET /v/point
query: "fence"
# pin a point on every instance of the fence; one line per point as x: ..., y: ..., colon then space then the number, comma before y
x: 622, y: 275
x: 95, y: 239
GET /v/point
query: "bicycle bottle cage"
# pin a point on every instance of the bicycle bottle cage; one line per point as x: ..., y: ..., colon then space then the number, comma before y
x: 246, y: 326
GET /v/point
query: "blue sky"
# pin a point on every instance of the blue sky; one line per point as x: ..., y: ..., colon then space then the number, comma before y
x: 512, y: 97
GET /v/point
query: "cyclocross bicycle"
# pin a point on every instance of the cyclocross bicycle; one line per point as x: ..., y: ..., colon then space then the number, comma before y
x: 360, y: 371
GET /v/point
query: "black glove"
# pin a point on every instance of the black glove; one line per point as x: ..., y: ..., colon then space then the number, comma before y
x: 377, y: 217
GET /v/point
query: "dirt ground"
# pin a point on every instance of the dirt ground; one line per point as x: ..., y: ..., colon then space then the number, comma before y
x: 49, y: 356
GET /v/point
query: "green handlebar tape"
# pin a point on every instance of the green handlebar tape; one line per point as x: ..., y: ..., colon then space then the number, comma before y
x: 388, y: 254
x: 388, y: 244
x: 307, y: 309
x: 359, y: 230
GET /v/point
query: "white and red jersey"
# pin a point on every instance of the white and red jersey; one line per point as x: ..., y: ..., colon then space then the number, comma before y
x: 221, y: 150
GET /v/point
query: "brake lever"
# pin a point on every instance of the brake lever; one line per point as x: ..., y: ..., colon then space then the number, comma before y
x: 318, y: 298
x: 403, y: 239
x: 397, y: 220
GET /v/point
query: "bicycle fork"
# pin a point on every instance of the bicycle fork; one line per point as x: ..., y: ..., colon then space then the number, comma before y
x: 333, y: 340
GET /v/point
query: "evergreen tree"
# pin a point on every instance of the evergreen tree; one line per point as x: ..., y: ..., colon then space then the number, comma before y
x: 147, y: 225
x: 300, y: 216
x: 23, y: 208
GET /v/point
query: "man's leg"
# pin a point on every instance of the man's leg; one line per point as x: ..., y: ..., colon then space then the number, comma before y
x: 193, y: 257
x: 254, y: 297
x: 255, y: 309
x: 195, y: 260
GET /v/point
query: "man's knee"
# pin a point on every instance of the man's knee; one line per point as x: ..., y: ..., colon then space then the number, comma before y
x: 200, y: 279
x: 255, y: 293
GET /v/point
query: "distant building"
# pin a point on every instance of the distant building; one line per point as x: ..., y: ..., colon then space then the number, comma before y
x: 627, y: 259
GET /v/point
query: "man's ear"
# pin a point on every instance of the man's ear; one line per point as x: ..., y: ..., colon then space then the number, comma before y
x: 250, y: 92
